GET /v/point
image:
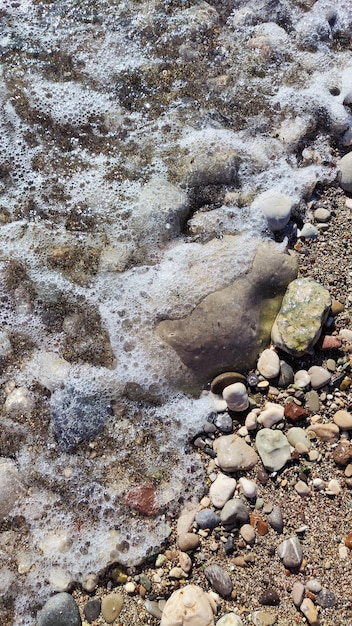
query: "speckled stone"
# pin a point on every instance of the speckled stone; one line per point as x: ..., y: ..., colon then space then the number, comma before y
x: 269, y: 597
x: 60, y: 610
x: 91, y: 610
x: 326, y: 598
x: 219, y: 579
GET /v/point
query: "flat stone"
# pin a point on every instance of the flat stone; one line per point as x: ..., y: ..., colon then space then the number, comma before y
x: 247, y: 533
x: 326, y: 432
x: 143, y: 499
x: 312, y: 401
x: 207, y: 344
x: 236, y: 397
x: 219, y: 579
x: 310, y: 612
x: 59, y: 610
x: 343, y: 419
x: 304, y: 309
x: 275, y: 519
x: 188, y: 605
x: 298, y: 593
x: 91, y: 610
x: 262, y: 618
x: 206, y: 518
x: 319, y: 376
x: 269, y: 364
x: 345, y: 172
x: 297, y: 435
x: 294, y: 413
x: 291, y: 553
x: 234, y: 513
x: 221, y: 490
x: 234, y: 454
x: 221, y: 381
x: 276, y: 207
x: 302, y: 489
x: 273, y: 448
x: 111, y: 606
x: 272, y: 414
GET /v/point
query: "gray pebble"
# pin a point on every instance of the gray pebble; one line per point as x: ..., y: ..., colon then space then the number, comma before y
x: 92, y: 610
x: 286, y: 376
x: 291, y: 553
x: 313, y: 585
x: 234, y: 513
x: 224, y: 423
x: 312, y: 401
x: 326, y: 598
x: 60, y: 610
x: 219, y: 580
x: 275, y: 519
x: 206, y: 518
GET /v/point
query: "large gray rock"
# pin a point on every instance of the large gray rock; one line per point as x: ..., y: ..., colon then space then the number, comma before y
x: 60, y: 610
x: 303, y: 312
x: 229, y: 327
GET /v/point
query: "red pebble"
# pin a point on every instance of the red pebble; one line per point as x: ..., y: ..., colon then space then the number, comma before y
x: 330, y: 342
x: 293, y: 412
x: 143, y: 499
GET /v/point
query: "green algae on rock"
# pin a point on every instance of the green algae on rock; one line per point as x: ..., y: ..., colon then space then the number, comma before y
x: 303, y: 312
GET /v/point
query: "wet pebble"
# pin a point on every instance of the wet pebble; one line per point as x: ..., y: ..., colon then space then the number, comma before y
x: 286, y: 375
x: 223, y: 422
x: 219, y: 580
x: 302, y: 379
x: 221, y: 381
x: 60, y: 610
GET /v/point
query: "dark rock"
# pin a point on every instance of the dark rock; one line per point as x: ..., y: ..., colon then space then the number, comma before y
x: 224, y: 423
x: 286, y: 375
x: 275, y: 519
x: 221, y: 381
x: 262, y: 476
x: 77, y: 417
x: 219, y: 580
x: 270, y: 597
x: 342, y: 454
x: 326, y: 598
x: 229, y: 546
x: 60, y: 610
x: 291, y: 553
x: 293, y: 412
x: 92, y: 610
x: 234, y: 513
x: 143, y: 499
x: 206, y: 518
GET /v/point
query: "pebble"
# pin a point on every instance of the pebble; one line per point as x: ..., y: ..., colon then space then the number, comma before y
x: 185, y: 561
x: 294, y: 413
x: 223, y: 422
x: 143, y: 498
x: 234, y: 513
x: 19, y: 400
x: 177, y: 573
x: 286, y: 375
x: 275, y: 519
x: 343, y: 419
x: 333, y: 487
x: 346, y: 334
x: 291, y: 553
x: 331, y: 342
x: 262, y: 618
x: 319, y: 376
x: 269, y: 364
x: 206, y: 518
x: 270, y: 597
x: 60, y: 610
x: 302, y: 489
x: 248, y: 487
x: 302, y: 379
x: 230, y: 619
x: 322, y: 215
x: 310, y: 612
x: 188, y: 541
x: 153, y: 608
x: 298, y: 593
x: 221, y: 490
x: 345, y: 172
x: 247, y: 533
x: 273, y: 448
x: 259, y: 524
x: 111, y: 606
x: 130, y: 587
x: 219, y: 579
x: 326, y: 598
x: 342, y: 454
x: 312, y: 401
x: 251, y: 421
x: 234, y: 454
x: 326, y: 432
x: 221, y: 381
x: 91, y: 610
x: 313, y: 585
x: 272, y: 414
x: 308, y: 231
x: 318, y: 484
x: 297, y: 435
x: 331, y: 365
x: 276, y: 207
x: 188, y: 605
x: 236, y: 397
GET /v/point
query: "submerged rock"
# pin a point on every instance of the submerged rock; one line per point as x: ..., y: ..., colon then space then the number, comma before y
x: 10, y: 486
x: 276, y: 207
x: 304, y: 310
x: 208, y: 341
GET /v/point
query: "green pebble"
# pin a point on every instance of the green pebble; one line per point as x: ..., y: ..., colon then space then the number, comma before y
x: 144, y: 580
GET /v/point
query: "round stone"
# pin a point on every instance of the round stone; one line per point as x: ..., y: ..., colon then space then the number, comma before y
x: 319, y: 377
x: 221, y: 381
x: 342, y: 454
x: 270, y: 597
x: 60, y: 610
x: 91, y: 610
x: 269, y: 364
x: 221, y: 490
x: 322, y: 215
x: 276, y: 207
x: 188, y: 541
x: 302, y: 379
x: 234, y: 513
x: 206, y: 518
x: 302, y: 489
x: 236, y: 397
x: 248, y: 487
x: 234, y: 454
x: 111, y: 606
x: 247, y: 533
x: 345, y: 173
x: 297, y: 435
x: 343, y: 419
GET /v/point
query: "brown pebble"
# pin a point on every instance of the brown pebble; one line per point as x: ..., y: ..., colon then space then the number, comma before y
x: 259, y: 524
x: 188, y: 541
x: 336, y: 307
x: 348, y: 541
x: 342, y: 454
x: 143, y: 499
x: 293, y: 412
x: 262, y: 476
x: 270, y: 597
x: 221, y: 381
x: 239, y: 561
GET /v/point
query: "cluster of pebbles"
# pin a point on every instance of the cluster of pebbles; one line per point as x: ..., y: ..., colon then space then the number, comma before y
x: 270, y: 541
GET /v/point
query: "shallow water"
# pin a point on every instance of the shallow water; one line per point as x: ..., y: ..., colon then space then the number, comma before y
x: 133, y: 137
